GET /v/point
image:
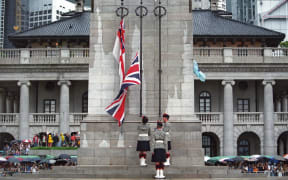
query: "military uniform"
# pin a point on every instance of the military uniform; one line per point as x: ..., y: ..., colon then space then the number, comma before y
x: 166, y: 129
x: 143, y: 143
x: 159, y: 149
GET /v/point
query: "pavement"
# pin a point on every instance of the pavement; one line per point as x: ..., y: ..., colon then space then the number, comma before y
x: 266, y: 178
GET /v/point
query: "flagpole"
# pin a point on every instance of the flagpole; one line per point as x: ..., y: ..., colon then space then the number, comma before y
x: 160, y: 11
x: 121, y: 12
x: 141, y: 11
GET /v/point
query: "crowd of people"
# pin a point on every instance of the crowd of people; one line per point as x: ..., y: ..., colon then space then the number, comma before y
x: 271, y: 169
x: 16, y: 148
x: 33, y: 164
x: 55, y: 140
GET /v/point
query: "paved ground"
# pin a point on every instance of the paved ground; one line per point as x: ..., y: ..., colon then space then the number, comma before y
x: 268, y: 178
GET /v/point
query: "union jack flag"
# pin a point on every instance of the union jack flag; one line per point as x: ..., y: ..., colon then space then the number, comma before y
x: 133, y: 74
x: 119, y: 50
x: 117, y: 108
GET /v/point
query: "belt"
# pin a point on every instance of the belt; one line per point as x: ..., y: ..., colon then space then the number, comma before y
x: 159, y: 141
x: 143, y: 135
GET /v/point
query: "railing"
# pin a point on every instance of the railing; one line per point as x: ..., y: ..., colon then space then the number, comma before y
x: 44, y: 53
x: 9, y: 119
x: 247, y: 52
x: 210, y: 117
x: 45, y: 56
x: 248, y: 118
x: 10, y: 56
x: 44, y: 118
x: 281, y: 117
x: 205, y: 51
x: 76, y: 118
x: 279, y: 52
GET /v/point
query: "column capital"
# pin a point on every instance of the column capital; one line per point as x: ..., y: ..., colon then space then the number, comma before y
x: 228, y: 81
x: 61, y: 82
x: 268, y: 81
x: 27, y: 83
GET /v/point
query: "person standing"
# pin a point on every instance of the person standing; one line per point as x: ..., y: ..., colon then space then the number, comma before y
x: 167, y: 129
x: 35, y: 140
x: 143, y: 143
x: 159, y: 149
x: 50, y: 140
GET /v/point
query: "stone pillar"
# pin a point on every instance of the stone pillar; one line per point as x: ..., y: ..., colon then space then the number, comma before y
x: 2, y: 100
x: 285, y: 103
x: 15, y: 104
x: 268, y: 117
x: 9, y: 103
x: 278, y: 105
x: 64, y: 106
x: 24, y: 109
x: 228, y: 118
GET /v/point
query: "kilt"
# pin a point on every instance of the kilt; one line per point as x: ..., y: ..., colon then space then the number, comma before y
x: 159, y: 155
x: 143, y: 146
x: 169, y: 145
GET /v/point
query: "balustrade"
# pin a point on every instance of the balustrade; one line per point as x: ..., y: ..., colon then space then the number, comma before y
x: 9, y: 118
x: 248, y: 118
x: 44, y: 118
x: 76, y: 118
x: 281, y: 117
x: 210, y: 117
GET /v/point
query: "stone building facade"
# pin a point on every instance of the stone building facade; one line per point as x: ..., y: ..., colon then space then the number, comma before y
x: 242, y: 105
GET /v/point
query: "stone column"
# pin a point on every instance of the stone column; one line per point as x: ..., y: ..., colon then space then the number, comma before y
x: 284, y: 103
x: 2, y: 100
x: 64, y: 106
x: 15, y: 104
x: 268, y: 117
x: 278, y: 105
x: 9, y: 102
x: 228, y: 118
x: 24, y: 109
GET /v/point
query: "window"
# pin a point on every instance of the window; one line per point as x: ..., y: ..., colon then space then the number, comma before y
x: 205, y: 102
x: 243, y: 148
x: 49, y: 106
x: 243, y: 105
x: 210, y: 144
x: 85, y: 102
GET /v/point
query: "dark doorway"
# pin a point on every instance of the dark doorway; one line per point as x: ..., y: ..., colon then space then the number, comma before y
x: 210, y: 144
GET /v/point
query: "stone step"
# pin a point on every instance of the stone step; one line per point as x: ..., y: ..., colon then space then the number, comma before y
x: 136, y: 172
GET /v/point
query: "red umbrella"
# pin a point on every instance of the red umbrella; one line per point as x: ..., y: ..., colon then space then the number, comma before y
x: 26, y: 141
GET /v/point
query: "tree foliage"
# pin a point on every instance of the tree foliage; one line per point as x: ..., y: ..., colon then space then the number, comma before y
x: 284, y: 44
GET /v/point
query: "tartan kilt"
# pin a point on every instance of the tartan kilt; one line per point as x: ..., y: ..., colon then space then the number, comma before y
x: 143, y: 146
x: 169, y: 145
x: 159, y: 155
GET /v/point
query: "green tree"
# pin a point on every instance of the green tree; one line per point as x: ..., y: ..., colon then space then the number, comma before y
x: 284, y: 44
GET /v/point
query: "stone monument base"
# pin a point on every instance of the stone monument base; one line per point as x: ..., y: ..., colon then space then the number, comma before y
x: 103, y: 143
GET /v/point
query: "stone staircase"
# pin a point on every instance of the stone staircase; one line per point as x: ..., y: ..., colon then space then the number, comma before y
x: 137, y: 172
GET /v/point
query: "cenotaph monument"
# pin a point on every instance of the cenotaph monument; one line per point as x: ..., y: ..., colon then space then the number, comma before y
x: 104, y: 144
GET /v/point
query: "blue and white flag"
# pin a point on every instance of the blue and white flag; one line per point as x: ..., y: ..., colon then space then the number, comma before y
x: 197, y: 72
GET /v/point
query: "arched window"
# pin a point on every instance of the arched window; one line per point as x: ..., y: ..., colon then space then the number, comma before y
x: 205, y: 102
x: 210, y: 144
x: 248, y: 143
x: 85, y: 102
x: 243, y: 148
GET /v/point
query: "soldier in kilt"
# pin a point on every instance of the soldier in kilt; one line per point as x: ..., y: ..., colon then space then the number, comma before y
x: 143, y: 143
x: 166, y: 129
x: 159, y: 147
